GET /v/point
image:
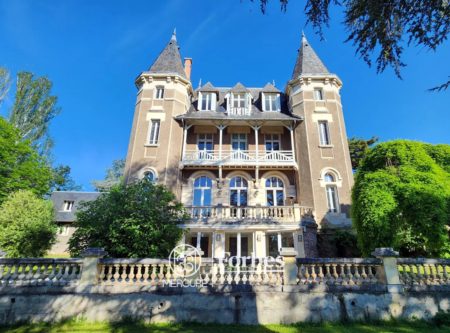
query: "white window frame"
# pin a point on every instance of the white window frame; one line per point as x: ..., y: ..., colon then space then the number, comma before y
x: 271, y: 97
x: 274, y: 190
x: 63, y: 230
x: 154, y: 131
x: 324, y: 133
x: 150, y: 172
x: 68, y: 205
x: 318, y: 94
x: 332, y: 193
x: 210, y: 99
x: 159, y: 92
x: 236, y: 137
x: 239, y: 98
x: 272, y: 138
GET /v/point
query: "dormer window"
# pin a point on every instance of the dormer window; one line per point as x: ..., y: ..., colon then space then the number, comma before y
x: 271, y: 102
x: 207, y: 101
x: 68, y: 205
x: 239, y: 100
x: 159, y: 92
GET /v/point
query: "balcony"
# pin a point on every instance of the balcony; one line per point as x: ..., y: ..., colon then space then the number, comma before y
x: 239, y: 111
x: 248, y: 214
x: 278, y: 158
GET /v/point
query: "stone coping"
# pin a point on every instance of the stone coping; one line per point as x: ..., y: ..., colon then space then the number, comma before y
x: 37, y: 261
x: 423, y: 261
x: 367, y: 261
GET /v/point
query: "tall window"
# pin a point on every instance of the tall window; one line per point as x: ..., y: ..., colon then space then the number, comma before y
x: 202, y: 196
x: 154, y: 131
x: 239, y: 100
x: 238, y: 191
x: 159, y: 93
x: 318, y: 94
x: 331, y: 192
x: 324, y: 133
x: 272, y: 142
x: 68, y: 205
x: 272, y: 102
x: 205, y: 146
x: 274, y: 192
x: 208, y: 101
x: 239, y: 141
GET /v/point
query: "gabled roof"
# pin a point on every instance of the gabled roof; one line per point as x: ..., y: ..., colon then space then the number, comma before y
x: 270, y: 88
x: 208, y: 87
x: 169, y: 60
x: 239, y: 88
x: 58, y: 198
x: 308, y: 62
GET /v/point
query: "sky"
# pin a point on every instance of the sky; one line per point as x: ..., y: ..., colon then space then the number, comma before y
x: 92, y: 51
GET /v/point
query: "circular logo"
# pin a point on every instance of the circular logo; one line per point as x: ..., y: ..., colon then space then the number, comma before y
x: 185, y: 260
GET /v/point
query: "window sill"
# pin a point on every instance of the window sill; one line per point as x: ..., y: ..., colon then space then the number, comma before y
x: 151, y: 145
x: 326, y: 146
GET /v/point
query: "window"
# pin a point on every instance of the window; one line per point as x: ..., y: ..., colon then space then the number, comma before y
x: 63, y: 230
x: 272, y: 102
x: 207, y: 101
x: 159, y: 92
x: 150, y: 175
x: 68, y: 206
x: 318, y: 94
x: 287, y: 240
x: 239, y: 141
x: 154, y: 131
x: 331, y: 192
x: 202, y: 197
x: 274, y: 192
x: 239, y: 100
x: 205, y: 146
x: 324, y: 133
x: 272, y: 142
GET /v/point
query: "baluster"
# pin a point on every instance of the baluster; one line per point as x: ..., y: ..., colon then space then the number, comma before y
x: 153, y: 274
x: 307, y: 275
x: 21, y: 273
x: 109, y: 274
x: 320, y: 274
x: 371, y: 275
x: 58, y: 275
x: 123, y: 273
x: 146, y: 274
x: 161, y: 273
x: 446, y: 275
x: 2, y: 274
x: 433, y: 274
x: 313, y: 273
x: 341, y: 279
x: 419, y: 274
x: 7, y: 274
x: 30, y: 274
x: 52, y: 274
x: 116, y: 275
x: 327, y: 273
x: 335, y: 274
x: 356, y: 275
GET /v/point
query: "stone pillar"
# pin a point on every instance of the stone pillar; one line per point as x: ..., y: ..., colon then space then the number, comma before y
x: 310, y: 237
x: 219, y: 244
x: 388, y: 272
x: 2, y: 254
x: 290, y: 266
x: 299, y: 245
x: 90, y: 269
x: 260, y: 244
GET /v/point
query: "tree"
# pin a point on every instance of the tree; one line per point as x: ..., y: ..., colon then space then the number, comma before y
x: 114, y: 176
x: 383, y: 26
x: 26, y: 225
x: 401, y: 198
x: 139, y: 220
x: 34, y: 108
x: 62, y: 180
x: 358, y: 149
x: 21, y: 167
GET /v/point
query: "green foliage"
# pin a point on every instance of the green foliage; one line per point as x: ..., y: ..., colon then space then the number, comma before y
x: 382, y: 27
x: 62, y: 180
x: 138, y: 220
x: 114, y: 176
x: 442, y: 318
x: 401, y: 198
x: 358, y: 149
x: 26, y: 225
x: 33, y: 110
x: 21, y: 167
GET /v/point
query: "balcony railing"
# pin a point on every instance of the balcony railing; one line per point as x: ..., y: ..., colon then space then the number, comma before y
x: 239, y: 157
x: 239, y: 111
x: 248, y: 214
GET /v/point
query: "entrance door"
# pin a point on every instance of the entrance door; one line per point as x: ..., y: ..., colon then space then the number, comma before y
x: 204, y: 244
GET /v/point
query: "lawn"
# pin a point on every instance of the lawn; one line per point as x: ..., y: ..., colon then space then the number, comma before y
x: 127, y: 327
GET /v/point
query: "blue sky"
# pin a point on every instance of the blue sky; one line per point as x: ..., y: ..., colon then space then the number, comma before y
x: 93, y: 51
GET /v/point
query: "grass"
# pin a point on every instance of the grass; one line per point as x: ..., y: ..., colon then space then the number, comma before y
x: 138, y: 327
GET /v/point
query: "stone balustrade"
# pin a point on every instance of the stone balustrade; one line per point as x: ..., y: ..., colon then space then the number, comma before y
x: 39, y: 271
x: 421, y: 271
x: 338, y: 271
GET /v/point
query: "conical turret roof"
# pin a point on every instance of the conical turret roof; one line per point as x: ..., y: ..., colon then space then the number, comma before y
x: 308, y: 62
x: 169, y: 60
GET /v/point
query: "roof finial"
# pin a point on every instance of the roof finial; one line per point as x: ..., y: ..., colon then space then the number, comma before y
x: 174, y: 34
x: 303, y: 37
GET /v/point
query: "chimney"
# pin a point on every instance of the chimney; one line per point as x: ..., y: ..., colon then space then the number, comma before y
x: 188, y: 67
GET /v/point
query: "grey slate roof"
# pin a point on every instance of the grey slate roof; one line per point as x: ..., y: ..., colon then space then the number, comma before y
x: 239, y: 87
x: 58, y: 198
x: 208, y: 87
x: 270, y: 88
x: 169, y: 60
x: 308, y: 62
x: 256, y: 111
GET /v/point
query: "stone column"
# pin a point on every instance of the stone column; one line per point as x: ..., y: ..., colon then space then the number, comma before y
x: 290, y: 266
x: 90, y: 269
x: 2, y: 254
x: 388, y: 272
x: 310, y: 237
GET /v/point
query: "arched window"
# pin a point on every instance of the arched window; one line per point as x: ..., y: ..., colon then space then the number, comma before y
x: 331, y: 192
x: 238, y: 196
x: 150, y: 175
x: 274, y: 192
x: 202, y: 196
